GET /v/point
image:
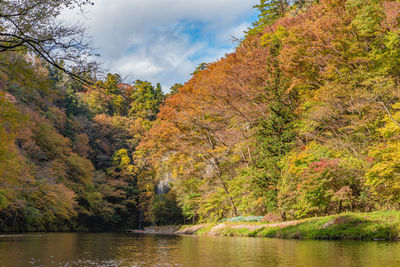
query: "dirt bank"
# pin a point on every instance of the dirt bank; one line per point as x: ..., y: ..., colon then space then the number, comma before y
x: 356, y: 226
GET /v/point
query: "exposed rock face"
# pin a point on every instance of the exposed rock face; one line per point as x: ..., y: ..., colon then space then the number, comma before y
x: 164, y: 185
x: 166, y: 177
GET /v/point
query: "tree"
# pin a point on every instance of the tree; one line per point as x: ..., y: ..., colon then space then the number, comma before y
x: 174, y: 88
x: 271, y: 10
x: 200, y: 67
x: 275, y: 135
x: 145, y: 100
x: 383, y: 174
x: 33, y: 26
x: 202, y: 136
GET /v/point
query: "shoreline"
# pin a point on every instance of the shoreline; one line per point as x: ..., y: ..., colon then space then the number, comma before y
x: 376, y: 226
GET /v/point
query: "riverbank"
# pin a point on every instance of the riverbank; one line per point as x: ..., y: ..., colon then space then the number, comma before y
x: 345, y: 226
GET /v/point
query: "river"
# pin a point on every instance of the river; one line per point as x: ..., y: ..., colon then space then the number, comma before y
x: 128, y: 249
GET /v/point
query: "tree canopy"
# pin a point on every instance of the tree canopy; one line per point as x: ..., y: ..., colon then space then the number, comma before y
x: 301, y: 120
x: 35, y: 26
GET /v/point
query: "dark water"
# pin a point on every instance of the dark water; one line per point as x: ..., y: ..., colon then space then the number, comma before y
x: 161, y: 250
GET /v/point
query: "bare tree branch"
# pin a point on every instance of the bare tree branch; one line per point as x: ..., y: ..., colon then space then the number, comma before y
x: 390, y: 115
x: 33, y: 26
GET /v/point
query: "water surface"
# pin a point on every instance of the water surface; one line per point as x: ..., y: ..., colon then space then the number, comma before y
x: 128, y: 249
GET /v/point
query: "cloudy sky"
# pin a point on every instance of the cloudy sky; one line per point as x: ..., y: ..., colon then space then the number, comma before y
x: 164, y: 40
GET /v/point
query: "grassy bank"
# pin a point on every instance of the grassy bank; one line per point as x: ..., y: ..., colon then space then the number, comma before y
x: 345, y: 226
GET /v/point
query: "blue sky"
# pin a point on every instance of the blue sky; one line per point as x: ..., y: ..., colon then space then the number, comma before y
x: 164, y: 40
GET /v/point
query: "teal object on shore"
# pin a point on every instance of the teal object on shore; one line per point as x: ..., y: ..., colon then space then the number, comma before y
x: 242, y: 219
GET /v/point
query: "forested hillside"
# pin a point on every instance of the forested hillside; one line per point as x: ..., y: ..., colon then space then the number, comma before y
x: 302, y: 119
x: 64, y: 148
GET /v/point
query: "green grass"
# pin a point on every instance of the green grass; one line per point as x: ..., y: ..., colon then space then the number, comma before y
x: 206, y: 229
x: 356, y: 226
x: 384, y: 225
x: 228, y: 231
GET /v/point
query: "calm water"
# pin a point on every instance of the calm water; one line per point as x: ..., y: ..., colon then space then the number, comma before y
x: 161, y: 250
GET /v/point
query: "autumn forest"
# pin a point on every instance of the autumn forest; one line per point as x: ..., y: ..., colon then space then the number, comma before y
x: 301, y: 120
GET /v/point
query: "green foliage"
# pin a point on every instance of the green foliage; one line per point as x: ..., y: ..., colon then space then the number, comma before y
x: 146, y: 100
x: 343, y: 226
x: 189, y: 198
x: 249, y: 192
x: 317, y: 181
x: 299, y: 121
x: 174, y: 89
x: 383, y: 174
x: 214, y: 206
x: 302, y: 120
x: 165, y: 210
x: 200, y: 67
x: 66, y: 150
x: 271, y: 10
x: 275, y: 133
x: 369, y: 15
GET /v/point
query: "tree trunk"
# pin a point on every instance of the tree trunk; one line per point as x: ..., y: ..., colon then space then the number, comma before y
x: 216, y: 166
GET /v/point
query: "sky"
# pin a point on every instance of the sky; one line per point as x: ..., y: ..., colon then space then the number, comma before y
x: 162, y: 41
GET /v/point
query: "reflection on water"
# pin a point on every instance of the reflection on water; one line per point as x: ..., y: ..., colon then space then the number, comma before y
x: 125, y: 249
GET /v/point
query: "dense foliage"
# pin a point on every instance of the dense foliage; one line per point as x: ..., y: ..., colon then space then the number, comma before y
x: 35, y: 26
x: 303, y: 119
x: 67, y: 150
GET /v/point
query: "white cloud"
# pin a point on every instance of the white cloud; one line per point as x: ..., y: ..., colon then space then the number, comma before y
x: 163, y: 40
x: 233, y: 33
